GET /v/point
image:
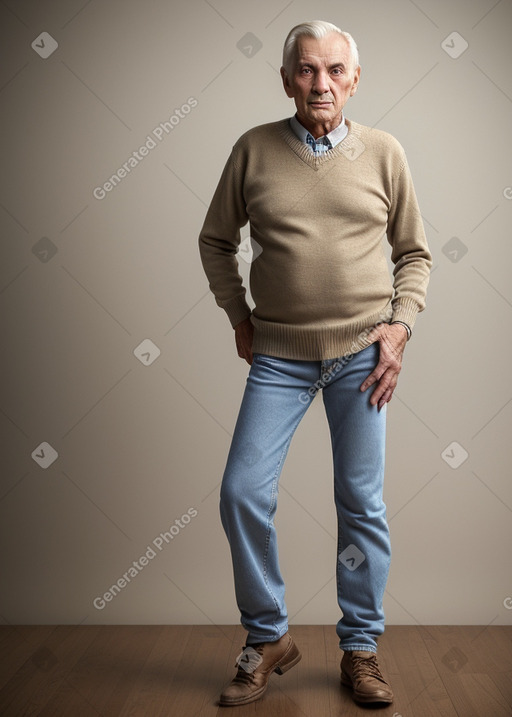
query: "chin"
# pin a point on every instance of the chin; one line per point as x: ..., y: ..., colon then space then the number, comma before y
x: 324, y: 114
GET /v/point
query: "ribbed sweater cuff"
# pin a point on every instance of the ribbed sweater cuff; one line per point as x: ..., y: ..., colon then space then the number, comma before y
x: 237, y: 310
x: 405, y: 310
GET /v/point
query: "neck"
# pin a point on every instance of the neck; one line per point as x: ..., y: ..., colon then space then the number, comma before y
x: 319, y: 129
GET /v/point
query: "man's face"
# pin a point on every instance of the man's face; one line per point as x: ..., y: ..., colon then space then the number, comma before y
x: 321, y: 80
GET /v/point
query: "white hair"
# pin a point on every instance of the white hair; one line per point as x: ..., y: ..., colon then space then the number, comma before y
x: 318, y: 29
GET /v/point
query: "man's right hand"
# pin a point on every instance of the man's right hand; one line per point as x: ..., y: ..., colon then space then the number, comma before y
x: 243, y: 337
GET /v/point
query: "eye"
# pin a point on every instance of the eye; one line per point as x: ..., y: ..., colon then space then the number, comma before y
x: 306, y: 70
x: 337, y: 71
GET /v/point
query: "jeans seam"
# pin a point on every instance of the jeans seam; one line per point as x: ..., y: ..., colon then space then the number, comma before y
x: 272, y: 501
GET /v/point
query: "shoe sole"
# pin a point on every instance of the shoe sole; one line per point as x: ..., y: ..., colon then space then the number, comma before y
x: 288, y: 660
x: 359, y: 697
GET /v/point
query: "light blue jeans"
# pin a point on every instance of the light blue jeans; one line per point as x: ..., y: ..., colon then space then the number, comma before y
x: 276, y: 397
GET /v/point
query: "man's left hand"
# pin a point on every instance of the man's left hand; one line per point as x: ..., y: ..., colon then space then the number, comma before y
x: 392, y: 339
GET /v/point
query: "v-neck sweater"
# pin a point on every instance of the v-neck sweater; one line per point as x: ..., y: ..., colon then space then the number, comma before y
x: 319, y: 278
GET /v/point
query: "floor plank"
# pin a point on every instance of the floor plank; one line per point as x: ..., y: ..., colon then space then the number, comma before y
x: 43, y: 674
x: 17, y: 645
x: 161, y: 670
x: 424, y: 693
x: 112, y: 663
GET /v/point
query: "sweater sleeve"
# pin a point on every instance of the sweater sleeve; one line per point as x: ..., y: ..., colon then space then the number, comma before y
x: 410, y: 253
x: 219, y: 240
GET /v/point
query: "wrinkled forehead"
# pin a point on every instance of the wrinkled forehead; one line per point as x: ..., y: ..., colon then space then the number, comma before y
x: 325, y: 51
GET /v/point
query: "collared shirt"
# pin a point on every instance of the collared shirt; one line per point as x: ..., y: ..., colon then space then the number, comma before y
x: 324, y: 143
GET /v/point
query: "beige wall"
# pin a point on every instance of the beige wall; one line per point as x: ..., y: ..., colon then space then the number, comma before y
x: 140, y: 445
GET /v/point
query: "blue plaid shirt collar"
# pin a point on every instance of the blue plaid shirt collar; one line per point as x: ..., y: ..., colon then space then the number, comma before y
x: 321, y: 144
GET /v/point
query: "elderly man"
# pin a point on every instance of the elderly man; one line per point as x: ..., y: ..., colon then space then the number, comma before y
x: 320, y: 192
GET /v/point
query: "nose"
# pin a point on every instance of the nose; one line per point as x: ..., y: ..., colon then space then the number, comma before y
x: 320, y: 84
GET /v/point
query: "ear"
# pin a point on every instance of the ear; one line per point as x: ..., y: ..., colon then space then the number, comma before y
x: 286, y: 83
x: 355, y: 83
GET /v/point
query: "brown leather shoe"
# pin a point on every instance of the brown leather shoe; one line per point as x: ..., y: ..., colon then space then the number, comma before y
x: 255, y: 665
x: 360, y: 670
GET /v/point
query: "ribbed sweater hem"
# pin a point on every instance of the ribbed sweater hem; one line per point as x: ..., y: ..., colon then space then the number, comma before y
x: 316, y: 343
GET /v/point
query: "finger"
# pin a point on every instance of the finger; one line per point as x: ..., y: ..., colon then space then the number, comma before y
x: 386, y: 398
x: 386, y: 383
x: 387, y: 394
x: 387, y: 364
x: 374, y: 377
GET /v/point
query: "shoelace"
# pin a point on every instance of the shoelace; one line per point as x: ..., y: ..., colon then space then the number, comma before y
x: 363, y: 667
x: 243, y: 677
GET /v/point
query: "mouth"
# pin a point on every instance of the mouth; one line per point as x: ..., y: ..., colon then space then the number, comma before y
x: 321, y: 105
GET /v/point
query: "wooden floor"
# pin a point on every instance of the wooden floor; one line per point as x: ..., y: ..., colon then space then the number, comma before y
x: 151, y: 670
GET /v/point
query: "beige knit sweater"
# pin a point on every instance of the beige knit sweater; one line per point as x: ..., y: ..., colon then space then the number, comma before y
x: 321, y: 280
